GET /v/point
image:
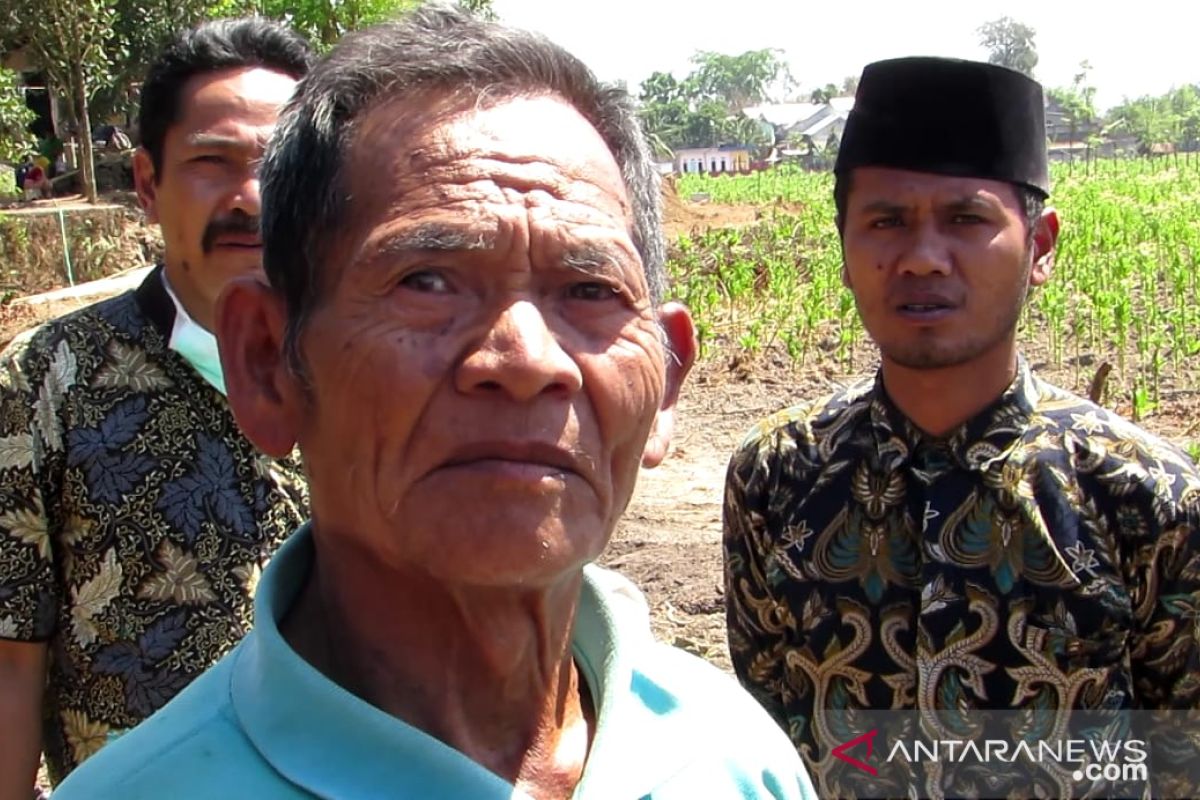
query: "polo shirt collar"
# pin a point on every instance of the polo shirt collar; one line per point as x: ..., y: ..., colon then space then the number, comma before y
x: 197, y: 345
x: 334, y: 744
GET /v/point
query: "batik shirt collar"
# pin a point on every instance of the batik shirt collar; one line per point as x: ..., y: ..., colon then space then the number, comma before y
x: 985, y: 439
x: 197, y: 346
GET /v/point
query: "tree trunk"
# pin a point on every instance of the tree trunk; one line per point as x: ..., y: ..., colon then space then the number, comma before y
x: 87, y: 166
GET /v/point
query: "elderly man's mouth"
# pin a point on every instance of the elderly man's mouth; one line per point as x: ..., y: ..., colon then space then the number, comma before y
x: 516, y: 460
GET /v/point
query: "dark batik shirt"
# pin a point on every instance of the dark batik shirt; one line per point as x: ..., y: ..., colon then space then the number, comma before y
x: 135, y: 518
x: 1045, y: 555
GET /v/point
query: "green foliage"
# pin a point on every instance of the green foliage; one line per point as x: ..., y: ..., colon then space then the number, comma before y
x: 1010, y: 44
x: 1077, y: 101
x: 480, y: 8
x: 704, y: 109
x: 736, y: 81
x: 68, y: 39
x: 8, y: 182
x: 15, y: 116
x: 824, y: 94
x: 139, y: 30
x: 323, y: 22
x: 1173, y: 118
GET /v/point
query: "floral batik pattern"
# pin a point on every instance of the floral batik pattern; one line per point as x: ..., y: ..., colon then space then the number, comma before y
x: 135, y: 519
x: 1045, y: 555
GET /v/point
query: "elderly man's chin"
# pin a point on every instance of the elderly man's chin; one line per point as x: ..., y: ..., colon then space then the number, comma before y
x: 495, y: 536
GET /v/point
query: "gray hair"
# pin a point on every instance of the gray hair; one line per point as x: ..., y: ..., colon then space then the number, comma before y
x: 433, y: 51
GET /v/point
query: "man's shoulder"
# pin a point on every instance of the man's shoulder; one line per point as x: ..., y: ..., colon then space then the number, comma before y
x: 808, y: 426
x: 1064, y: 424
x: 86, y: 329
x: 193, y: 747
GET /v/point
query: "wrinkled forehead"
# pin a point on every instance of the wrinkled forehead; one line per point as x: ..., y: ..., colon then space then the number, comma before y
x: 415, y: 136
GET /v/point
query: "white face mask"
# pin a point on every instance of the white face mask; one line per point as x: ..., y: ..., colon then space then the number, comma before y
x: 197, y: 346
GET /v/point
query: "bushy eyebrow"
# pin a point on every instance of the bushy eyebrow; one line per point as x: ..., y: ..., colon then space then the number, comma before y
x: 434, y: 237
x: 593, y: 260
x: 971, y: 203
x: 218, y: 142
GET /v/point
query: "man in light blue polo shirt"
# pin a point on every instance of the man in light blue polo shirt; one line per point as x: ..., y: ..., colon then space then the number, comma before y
x: 465, y: 335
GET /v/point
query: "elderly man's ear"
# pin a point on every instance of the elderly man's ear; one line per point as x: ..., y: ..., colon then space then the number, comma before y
x: 680, y: 341
x: 266, y: 397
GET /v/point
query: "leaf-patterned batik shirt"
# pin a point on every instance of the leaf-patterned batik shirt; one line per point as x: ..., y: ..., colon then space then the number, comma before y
x: 1045, y: 555
x: 135, y: 518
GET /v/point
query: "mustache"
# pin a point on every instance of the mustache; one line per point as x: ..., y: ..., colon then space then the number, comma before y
x: 237, y: 222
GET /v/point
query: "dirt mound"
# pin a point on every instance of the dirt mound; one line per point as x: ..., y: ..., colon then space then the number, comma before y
x: 692, y: 215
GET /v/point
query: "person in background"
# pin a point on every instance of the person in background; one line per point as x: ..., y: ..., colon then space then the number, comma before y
x: 35, y: 181
x: 464, y: 331
x: 134, y: 517
x: 954, y: 533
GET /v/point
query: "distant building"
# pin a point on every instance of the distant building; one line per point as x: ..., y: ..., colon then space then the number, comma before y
x: 795, y: 122
x: 48, y: 107
x: 712, y: 160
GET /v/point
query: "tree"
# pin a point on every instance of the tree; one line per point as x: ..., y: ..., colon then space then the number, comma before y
x: 705, y: 108
x: 139, y: 30
x: 15, y: 116
x: 824, y: 94
x: 67, y: 37
x: 1077, y: 101
x: 1010, y: 44
x: 849, y: 85
x: 480, y: 8
x: 1173, y: 118
x: 737, y: 81
x: 324, y: 22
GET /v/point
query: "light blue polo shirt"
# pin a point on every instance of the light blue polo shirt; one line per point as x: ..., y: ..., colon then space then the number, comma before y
x: 263, y: 723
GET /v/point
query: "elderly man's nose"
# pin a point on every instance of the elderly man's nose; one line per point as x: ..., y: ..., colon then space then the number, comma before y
x: 519, y: 356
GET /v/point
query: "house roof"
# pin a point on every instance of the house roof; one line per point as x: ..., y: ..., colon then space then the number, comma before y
x: 784, y: 114
x: 842, y: 105
x: 824, y: 123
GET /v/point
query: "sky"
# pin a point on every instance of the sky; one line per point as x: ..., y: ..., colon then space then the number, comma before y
x: 1131, y: 53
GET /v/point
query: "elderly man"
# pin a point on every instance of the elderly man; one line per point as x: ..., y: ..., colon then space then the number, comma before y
x: 954, y: 533
x: 463, y: 334
x: 134, y: 516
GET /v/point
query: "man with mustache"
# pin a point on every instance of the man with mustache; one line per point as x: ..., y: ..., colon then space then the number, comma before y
x: 134, y: 516
x: 464, y: 332
x: 954, y: 534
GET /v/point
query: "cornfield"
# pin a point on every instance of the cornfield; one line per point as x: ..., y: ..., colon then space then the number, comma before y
x: 1123, y: 291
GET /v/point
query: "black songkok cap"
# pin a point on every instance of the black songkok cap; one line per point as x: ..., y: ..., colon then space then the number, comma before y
x: 948, y: 117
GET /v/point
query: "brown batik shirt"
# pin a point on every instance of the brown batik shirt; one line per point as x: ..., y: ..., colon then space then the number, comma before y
x: 135, y: 518
x: 1046, y: 555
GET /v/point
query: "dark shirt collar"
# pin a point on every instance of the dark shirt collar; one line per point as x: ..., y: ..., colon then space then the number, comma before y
x: 155, y: 303
x: 974, y: 445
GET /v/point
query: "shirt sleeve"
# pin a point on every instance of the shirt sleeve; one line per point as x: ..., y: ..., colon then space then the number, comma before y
x: 1165, y: 578
x: 28, y: 427
x: 754, y: 619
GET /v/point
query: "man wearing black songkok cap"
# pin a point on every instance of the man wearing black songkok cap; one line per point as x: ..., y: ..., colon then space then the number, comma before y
x: 954, y: 533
